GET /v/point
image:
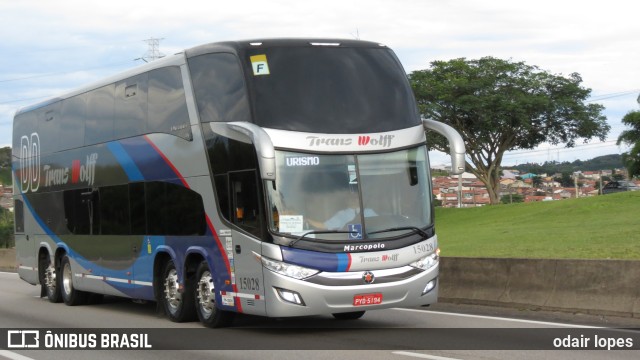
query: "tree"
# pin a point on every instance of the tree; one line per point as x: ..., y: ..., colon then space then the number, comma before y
x: 5, y: 156
x: 499, y: 105
x: 631, y: 137
x: 536, y: 181
x: 6, y: 228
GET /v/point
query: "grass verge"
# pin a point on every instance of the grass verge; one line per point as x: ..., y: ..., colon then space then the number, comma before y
x: 601, y: 227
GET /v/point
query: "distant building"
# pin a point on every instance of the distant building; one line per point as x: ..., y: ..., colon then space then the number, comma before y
x: 510, y: 174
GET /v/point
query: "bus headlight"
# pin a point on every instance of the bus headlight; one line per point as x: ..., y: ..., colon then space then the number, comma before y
x: 426, y: 262
x: 294, y: 271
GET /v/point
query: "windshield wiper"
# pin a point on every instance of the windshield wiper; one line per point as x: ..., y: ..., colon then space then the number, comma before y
x: 413, y: 228
x: 320, y: 232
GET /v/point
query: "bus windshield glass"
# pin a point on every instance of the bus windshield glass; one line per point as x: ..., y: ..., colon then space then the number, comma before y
x: 325, y: 89
x: 350, y: 197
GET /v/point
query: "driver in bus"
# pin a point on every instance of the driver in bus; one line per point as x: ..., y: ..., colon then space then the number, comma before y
x: 350, y: 214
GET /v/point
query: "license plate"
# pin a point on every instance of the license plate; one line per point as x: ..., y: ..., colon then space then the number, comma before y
x: 367, y: 299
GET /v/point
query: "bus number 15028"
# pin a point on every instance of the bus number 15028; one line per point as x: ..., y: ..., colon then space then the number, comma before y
x: 422, y: 248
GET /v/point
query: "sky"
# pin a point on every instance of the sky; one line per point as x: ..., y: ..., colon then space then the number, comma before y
x: 50, y: 47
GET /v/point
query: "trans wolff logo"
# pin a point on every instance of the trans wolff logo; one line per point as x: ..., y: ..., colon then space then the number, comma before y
x: 80, y: 172
x: 31, y: 173
x: 383, y: 141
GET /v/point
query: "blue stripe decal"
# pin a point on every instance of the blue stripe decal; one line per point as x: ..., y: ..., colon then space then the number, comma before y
x: 151, y: 165
x: 343, y: 262
x: 126, y: 161
x: 311, y: 259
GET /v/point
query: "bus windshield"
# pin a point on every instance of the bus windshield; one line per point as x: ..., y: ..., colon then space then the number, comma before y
x: 350, y: 197
x: 325, y: 89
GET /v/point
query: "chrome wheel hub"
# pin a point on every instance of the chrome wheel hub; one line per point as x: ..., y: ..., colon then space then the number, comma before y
x: 171, y: 291
x: 50, y: 278
x: 67, y: 281
x: 205, y: 294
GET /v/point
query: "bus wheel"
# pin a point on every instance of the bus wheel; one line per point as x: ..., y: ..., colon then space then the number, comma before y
x: 349, y: 315
x: 208, y: 313
x: 178, y: 303
x: 48, y: 279
x: 70, y: 296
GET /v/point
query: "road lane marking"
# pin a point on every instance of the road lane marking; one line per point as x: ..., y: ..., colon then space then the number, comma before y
x: 13, y: 356
x: 484, y: 317
x: 422, y: 356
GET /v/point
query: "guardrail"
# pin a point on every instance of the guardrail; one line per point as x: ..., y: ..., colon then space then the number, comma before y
x: 8, y: 260
x: 603, y: 287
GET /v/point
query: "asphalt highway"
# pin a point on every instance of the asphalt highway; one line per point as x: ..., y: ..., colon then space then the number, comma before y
x: 438, y: 333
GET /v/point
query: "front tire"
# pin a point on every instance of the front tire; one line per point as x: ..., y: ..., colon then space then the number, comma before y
x: 208, y: 312
x: 70, y: 295
x: 178, y: 304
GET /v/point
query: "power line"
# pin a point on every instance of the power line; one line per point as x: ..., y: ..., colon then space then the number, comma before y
x: 564, y: 149
x: 62, y: 73
x: 21, y: 100
x: 612, y: 95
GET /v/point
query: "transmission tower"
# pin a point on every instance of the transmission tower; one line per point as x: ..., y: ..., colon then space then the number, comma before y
x: 153, y: 50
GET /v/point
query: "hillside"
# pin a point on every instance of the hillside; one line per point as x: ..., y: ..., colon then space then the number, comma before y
x: 602, y: 227
x: 605, y: 162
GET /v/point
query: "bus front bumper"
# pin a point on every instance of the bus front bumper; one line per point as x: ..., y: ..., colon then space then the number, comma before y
x: 291, y: 297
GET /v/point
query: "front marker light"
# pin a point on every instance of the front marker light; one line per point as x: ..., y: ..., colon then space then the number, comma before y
x: 290, y: 296
x: 426, y: 262
x: 430, y: 286
x: 294, y: 271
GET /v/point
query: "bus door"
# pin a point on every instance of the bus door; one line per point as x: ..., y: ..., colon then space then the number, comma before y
x: 247, y: 215
x: 26, y: 248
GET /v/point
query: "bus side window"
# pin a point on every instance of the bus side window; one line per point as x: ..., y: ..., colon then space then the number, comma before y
x: 82, y: 211
x: 218, y: 84
x: 174, y: 210
x: 131, y: 107
x: 245, y: 205
x: 49, y: 128
x: 71, y: 124
x: 137, y: 207
x: 98, y: 127
x: 114, y: 210
x: 167, y: 103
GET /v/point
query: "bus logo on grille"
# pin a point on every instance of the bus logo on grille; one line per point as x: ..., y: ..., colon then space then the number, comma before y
x: 368, y: 277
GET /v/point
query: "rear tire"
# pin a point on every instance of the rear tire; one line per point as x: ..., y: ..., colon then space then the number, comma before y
x: 178, y: 305
x: 70, y: 295
x: 349, y: 315
x: 205, y: 299
x: 48, y: 279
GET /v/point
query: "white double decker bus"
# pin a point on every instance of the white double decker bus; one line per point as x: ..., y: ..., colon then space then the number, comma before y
x: 275, y: 177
